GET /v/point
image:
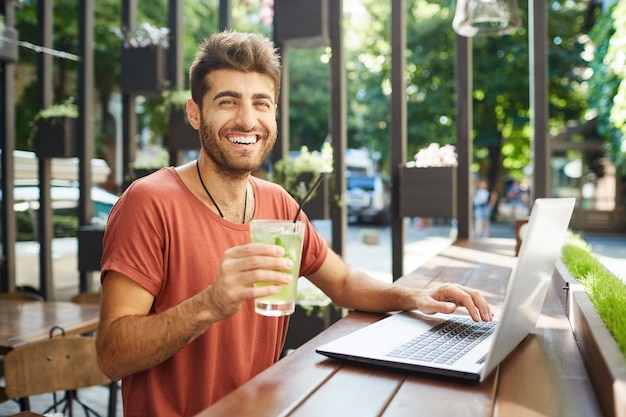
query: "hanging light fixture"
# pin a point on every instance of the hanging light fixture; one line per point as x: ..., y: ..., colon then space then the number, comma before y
x: 486, y: 17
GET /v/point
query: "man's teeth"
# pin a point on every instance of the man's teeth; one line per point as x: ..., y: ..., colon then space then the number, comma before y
x: 243, y: 140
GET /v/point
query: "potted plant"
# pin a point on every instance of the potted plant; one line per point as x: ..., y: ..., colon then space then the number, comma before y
x: 594, y: 300
x: 90, y: 247
x: 298, y: 174
x: 148, y: 160
x: 9, y: 51
x: 54, y: 133
x: 181, y: 136
x: 302, y: 23
x: 168, y: 118
x: 144, y: 59
x: 429, y: 183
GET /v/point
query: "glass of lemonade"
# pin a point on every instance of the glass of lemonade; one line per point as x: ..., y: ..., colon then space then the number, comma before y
x: 289, y: 235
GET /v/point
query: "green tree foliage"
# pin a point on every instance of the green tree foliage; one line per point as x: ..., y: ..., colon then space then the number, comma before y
x: 200, y: 20
x: 607, y: 85
x: 309, y: 100
x: 501, y: 67
x: 500, y: 80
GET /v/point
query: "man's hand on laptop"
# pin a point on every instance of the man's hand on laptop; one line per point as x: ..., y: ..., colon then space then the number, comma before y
x: 447, y: 297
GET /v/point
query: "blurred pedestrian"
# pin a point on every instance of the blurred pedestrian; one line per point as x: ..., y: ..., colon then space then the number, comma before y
x: 483, y: 202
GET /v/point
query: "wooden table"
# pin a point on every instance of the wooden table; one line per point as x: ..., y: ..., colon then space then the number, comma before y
x: 543, y: 376
x: 23, y: 322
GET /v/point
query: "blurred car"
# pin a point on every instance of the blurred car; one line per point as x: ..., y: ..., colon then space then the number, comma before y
x: 26, y: 168
x: 367, y: 198
x: 64, y: 196
x: 64, y: 193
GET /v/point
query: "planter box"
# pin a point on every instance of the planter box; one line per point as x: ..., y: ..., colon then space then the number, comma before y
x: 603, y: 359
x: 9, y: 52
x: 90, y: 248
x: 181, y: 136
x: 318, y: 206
x: 301, y: 23
x: 144, y: 70
x: 428, y: 192
x: 57, y: 137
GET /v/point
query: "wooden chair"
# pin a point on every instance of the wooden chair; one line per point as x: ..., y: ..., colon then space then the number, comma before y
x: 21, y: 295
x: 58, y: 364
x: 87, y: 298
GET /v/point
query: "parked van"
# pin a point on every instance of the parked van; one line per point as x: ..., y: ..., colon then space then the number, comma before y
x: 367, y: 194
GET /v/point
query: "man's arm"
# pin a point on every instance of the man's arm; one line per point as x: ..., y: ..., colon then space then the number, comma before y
x: 354, y: 289
x: 131, y: 339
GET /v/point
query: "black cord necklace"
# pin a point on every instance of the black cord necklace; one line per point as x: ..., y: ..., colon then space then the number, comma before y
x: 245, y: 202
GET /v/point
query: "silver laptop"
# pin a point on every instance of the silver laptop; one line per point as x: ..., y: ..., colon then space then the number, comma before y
x: 410, y: 340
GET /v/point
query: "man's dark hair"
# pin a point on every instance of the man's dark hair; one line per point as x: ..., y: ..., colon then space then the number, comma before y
x: 246, y: 52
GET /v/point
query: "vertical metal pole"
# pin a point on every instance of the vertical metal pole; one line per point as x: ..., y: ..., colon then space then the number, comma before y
x: 45, y: 227
x: 226, y: 17
x: 7, y: 143
x: 281, y: 148
x: 175, y: 58
x: 398, y: 131
x: 538, y: 35
x: 85, y: 118
x: 338, y: 123
x: 129, y: 121
x: 463, y: 74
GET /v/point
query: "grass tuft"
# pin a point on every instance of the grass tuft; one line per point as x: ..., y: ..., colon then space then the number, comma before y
x: 606, y: 291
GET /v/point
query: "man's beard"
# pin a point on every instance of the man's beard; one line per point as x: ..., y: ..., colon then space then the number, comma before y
x: 233, y: 166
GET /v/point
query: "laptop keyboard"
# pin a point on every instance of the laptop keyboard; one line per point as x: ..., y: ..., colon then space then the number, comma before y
x: 446, y: 342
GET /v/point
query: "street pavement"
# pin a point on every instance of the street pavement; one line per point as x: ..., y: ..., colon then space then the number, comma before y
x: 368, y: 248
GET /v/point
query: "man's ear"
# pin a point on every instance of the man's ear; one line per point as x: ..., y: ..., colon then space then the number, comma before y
x: 193, y: 114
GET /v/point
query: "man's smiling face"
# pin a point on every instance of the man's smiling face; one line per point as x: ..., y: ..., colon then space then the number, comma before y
x: 238, y: 120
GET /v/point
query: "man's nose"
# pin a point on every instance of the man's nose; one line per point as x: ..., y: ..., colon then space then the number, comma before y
x: 245, y: 116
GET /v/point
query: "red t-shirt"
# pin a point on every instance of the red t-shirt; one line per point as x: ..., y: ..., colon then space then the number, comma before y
x: 161, y: 236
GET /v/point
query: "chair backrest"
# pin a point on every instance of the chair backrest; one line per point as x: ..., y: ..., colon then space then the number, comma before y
x: 87, y: 298
x: 58, y: 364
x: 21, y: 295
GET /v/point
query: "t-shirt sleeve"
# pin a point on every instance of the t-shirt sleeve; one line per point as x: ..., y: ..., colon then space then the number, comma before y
x: 133, y: 240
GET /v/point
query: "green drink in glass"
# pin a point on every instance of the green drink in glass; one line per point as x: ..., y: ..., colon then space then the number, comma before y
x: 289, y: 235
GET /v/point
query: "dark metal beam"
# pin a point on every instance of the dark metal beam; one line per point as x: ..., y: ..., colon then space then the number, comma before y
x: 464, y: 112
x: 398, y: 131
x: 129, y: 121
x: 226, y: 17
x: 338, y: 124
x: 540, y: 145
x: 86, y: 116
x: 281, y: 148
x: 175, y: 59
x: 7, y: 143
x: 44, y: 75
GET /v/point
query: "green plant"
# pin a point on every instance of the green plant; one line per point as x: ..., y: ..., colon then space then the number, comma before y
x: 606, y: 291
x: 288, y: 170
x: 607, y: 85
x: 67, y: 109
x: 151, y: 157
x: 311, y: 299
x: 158, y: 109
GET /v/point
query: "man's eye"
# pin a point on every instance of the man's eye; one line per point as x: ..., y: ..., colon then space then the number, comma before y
x: 263, y: 104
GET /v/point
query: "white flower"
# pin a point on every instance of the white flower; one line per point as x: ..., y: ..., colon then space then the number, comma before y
x: 145, y: 35
x: 435, y: 156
